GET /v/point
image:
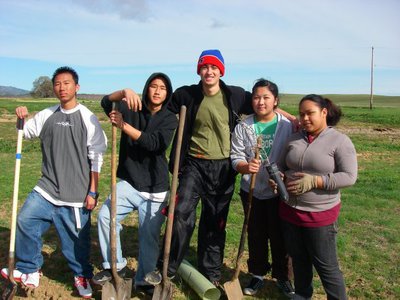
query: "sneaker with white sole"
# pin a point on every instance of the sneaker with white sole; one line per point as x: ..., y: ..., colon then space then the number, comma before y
x: 153, y: 277
x: 30, y: 280
x: 106, y: 275
x: 254, y: 286
x: 83, y: 286
x: 17, y: 274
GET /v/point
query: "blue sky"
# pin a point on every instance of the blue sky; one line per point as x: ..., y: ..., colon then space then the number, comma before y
x: 305, y: 46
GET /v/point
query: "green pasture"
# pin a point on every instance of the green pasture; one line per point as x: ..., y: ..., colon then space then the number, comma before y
x: 368, y: 239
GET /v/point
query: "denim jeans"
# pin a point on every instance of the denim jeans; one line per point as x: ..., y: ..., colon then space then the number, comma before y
x: 35, y: 218
x: 150, y: 222
x: 316, y: 247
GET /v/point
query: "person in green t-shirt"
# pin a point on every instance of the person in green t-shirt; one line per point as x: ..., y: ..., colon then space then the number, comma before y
x: 206, y: 173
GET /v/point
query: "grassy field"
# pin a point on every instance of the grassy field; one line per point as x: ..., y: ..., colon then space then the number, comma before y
x: 368, y: 240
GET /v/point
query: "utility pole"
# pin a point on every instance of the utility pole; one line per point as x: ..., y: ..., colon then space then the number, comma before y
x: 371, y: 98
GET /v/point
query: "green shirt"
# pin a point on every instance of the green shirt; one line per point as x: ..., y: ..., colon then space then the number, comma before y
x: 267, y: 132
x: 211, y: 135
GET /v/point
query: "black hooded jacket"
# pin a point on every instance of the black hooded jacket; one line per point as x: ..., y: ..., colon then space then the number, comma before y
x: 143, y: 163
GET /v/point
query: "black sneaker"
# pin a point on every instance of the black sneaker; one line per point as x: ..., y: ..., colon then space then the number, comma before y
x: 145, y: 289
x: 106, y: 275
x: 254, y: 286
x: 286, y: 287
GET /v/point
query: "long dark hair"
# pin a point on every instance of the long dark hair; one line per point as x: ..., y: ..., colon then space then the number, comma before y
x: 334, y: 111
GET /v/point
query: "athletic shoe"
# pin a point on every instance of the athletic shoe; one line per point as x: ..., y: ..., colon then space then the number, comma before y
x: 83, y: 286
x: 153, y: 277
x: 17, y: 274
x: 30, y: 280
x: 254, y: 286
x: 286, y: 287
x: 147, y: 289
x: 106, y: 275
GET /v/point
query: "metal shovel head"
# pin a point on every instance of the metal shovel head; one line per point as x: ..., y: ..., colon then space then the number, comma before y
x: 163, y: 291
x: 233, y: 290
x: 9, y: 291
x: 122, y: 292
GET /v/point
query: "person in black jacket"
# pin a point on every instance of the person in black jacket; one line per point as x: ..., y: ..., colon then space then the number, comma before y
x: 143, y: 174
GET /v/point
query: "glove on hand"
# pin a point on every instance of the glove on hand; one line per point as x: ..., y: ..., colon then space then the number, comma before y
x: 305, y: 183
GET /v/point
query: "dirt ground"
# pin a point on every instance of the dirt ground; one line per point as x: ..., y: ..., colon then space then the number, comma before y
x: 57, y: 280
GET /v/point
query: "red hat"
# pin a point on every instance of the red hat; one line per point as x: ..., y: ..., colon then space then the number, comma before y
x: 212, y: 57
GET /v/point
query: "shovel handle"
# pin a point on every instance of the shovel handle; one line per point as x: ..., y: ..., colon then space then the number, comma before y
x: 174, y: 187
x: 247, y: 214
x: 18, y: 156
x: 113, y: 206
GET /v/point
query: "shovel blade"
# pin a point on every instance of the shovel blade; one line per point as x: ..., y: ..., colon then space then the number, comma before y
x: 233, y: 290
x: 163, y: 291
x: 157, y: 292
x: 9, y: 291
x: 108, y: 292
x: 122, y: 292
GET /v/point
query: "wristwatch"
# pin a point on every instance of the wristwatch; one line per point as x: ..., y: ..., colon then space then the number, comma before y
x: 94, y: 195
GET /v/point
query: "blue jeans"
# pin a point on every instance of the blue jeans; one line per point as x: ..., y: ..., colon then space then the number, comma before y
x: 35, y: 218
x: 150, y: 222
x: 316, y: 247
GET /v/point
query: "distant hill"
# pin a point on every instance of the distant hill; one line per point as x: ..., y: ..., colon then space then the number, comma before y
x: 10, y: 91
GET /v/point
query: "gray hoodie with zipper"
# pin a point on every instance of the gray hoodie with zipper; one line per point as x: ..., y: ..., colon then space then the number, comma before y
x: 243, y: 144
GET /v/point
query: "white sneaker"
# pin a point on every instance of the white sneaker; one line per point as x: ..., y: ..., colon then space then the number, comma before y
x: 17, y: 274
x: 29, y: 280
x: 83, y: 286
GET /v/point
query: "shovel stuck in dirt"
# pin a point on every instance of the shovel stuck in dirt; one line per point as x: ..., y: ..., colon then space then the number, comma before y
x: 165, y: 289
x: 121, y: 288
x: 232, y: 288
x: 11, y: 287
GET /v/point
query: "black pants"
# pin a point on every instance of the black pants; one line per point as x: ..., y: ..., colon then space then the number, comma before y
x: 316, y: 247
x: 212, y: 181
x: 264, y: 232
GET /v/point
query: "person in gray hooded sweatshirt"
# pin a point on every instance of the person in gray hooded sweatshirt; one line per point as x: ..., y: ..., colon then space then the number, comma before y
x: 318, y: 162
x: 143, y: 174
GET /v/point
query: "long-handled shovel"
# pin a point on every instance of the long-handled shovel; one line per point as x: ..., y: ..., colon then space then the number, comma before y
x: 11, y: 288
x: 232, y: 288
x: 121, y: 289
x: 164, y: 290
